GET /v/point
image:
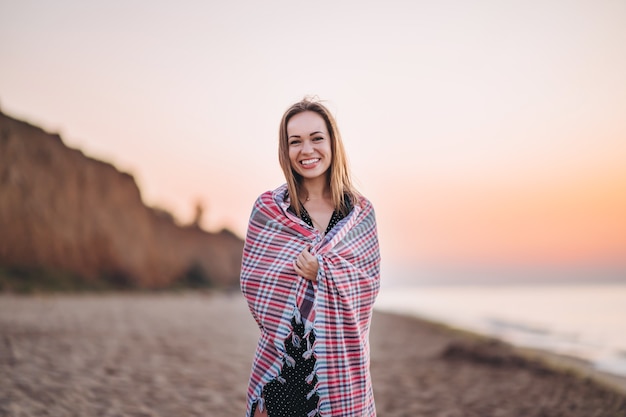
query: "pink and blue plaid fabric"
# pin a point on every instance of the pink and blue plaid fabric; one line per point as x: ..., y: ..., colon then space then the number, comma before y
x: 348, y: 282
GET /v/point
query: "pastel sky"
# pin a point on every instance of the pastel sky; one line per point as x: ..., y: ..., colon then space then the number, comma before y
x: 483, y: 131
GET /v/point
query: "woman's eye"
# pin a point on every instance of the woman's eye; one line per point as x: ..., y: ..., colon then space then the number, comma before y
x: 318, y: 139
x: 294, y: 142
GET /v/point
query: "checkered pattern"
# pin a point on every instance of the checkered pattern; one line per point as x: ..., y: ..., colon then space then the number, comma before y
x: 348, y: 282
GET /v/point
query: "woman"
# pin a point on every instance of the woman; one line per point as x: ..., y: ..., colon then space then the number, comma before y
x: 310, y: 275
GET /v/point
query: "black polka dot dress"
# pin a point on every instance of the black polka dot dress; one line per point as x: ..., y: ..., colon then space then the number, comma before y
x: 291, y: 393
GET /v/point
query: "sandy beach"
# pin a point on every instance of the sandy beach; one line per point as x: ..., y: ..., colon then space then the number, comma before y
x: 189, y: 354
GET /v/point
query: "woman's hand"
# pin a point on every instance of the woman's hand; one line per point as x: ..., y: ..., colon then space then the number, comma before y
x: 306, y: 265
x: 258, y: 413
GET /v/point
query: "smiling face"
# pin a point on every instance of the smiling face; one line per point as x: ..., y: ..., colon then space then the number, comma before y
x: 309, y: 145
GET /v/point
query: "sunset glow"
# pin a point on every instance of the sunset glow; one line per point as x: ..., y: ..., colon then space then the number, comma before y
x: 483, y: 132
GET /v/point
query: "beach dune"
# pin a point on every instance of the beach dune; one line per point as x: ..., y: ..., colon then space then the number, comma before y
x: 189, y: 354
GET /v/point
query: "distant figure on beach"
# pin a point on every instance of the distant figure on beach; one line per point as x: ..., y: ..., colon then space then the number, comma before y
x: 310, y: 274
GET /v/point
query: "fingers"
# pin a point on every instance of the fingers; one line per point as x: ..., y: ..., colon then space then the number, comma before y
x: 301, y: 272
x: 307, y: 256
x: 306, y: 260
x: 303, y: 269
x: 306, y: 265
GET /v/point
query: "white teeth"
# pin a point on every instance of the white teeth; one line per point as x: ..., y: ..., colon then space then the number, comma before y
x: 309, y: 161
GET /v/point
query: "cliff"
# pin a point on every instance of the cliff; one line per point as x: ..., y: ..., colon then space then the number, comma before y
x: 63, y: 211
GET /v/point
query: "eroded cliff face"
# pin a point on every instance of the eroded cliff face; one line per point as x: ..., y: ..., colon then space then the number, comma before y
x: 60, y: 209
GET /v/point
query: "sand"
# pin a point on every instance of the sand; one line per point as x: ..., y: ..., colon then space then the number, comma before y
x: 189, y: 354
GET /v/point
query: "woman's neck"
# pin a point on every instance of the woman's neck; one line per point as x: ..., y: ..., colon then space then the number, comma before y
x: 316, y: 189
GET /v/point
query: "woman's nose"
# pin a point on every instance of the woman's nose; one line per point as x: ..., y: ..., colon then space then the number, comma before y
x: 307, y: 146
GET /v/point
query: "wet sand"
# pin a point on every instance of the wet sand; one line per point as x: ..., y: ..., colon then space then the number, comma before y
x: 190, y: 354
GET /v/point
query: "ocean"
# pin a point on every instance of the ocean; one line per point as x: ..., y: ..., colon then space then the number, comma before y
x: 587, y: 321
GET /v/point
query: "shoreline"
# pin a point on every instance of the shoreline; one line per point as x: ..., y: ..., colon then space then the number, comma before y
x: 557, y: 361
x: 545, y: 321
x: 483, y: 376
x: 582, y: 367
x: 189, y: 354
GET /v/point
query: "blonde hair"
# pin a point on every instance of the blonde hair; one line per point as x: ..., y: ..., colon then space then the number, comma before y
x: 343, y: 194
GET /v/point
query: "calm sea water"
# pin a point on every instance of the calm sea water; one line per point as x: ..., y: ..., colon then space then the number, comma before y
x: 585, y: 321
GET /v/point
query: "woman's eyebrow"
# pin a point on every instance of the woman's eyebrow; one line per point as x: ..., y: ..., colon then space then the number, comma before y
x: 310, y: 134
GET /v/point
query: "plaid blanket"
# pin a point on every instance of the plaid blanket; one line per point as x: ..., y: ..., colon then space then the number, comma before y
x: 347, y: 285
